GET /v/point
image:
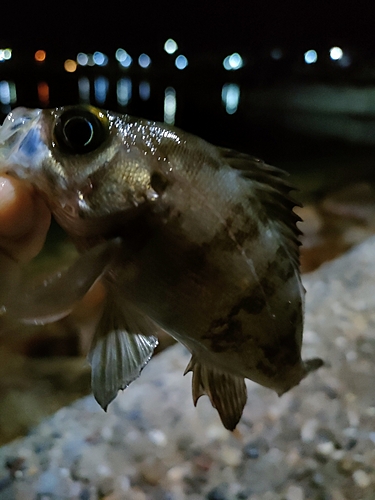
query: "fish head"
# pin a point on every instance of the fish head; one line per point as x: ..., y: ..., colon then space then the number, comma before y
x: 88, y: 164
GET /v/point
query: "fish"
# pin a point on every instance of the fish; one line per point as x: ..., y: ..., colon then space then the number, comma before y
x: 188, y: 238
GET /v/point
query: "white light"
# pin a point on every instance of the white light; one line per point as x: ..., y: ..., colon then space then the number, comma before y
x: 82, y: 59
x: 170, y: 105
x: 84, y: 89
x: 101, y: 85
x: 230, y: 95
x: 335, y: 53
x: 124, y: 91
x: 144, y: 61
x: 121, y: 55
x: 144, y: 91
x: 233, y: 62
x: 4, y: 92
x: 2, y: 55
x: 100, y: 59
x: 170, y: 46
x: 311, y: 57
x: 7, y: 54
x: 181, y: 62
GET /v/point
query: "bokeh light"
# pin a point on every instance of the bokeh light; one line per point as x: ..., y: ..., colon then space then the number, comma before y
x: 70, y: 66
x: 144, y: 61
x: 82, y: 59
x: 310, y: 56
x: 336, y: 53
x: 40, y: 55
x: 181, y: 62
x: 233, y: 62
x: 170, y: 46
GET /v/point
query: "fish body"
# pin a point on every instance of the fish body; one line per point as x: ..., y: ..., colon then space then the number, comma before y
x: 187, y: 237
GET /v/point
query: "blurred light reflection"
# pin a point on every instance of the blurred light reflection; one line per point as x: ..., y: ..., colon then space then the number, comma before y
x: 230, y: 95
x: 84, y: 89
x: 277, y: 53
x: 310, y: 57
x: 144, y: 61
x: 181, y: 62
x: 170, y: 105
x: 5, y: 54
x: 233, y: 62
x: 70, y: 66
x: 82, y: 59
x: 101, y: 86
x: 124, y: 91
x: 5, y: 92
x: 144, y: 91
x: 43, y: 93
x: 100, y: 59
x: 336, y: 53
x: 40, y: 55
x: 170, y: 46
x: 123, y: 58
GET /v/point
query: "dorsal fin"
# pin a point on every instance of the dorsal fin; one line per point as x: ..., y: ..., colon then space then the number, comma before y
x: 270, y: 185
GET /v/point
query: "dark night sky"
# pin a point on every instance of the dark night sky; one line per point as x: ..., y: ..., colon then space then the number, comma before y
x: 197, y: 26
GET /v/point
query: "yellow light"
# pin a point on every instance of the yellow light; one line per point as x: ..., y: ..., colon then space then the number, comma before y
x: 70, y: 66
x: 40, y: 55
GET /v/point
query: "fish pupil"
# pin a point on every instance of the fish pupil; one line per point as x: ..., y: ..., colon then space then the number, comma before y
x: 79, y: 130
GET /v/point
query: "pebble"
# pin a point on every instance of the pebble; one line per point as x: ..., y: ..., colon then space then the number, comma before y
x: 295, y: 493
x: 231, y: 456
x: 361, y: 478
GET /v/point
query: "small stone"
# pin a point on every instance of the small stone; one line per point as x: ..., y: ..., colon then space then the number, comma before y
x: 326, y: 448
x: 231, y: 456
x: 308, y: 430
x: 157, y: 437
x: 295, y: 493
x: 361, y: 478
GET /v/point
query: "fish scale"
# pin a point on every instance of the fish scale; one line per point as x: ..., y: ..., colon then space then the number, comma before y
x: 186, y: 237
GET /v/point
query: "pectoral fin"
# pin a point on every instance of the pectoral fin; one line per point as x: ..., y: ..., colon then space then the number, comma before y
x: 227, y: 392
x: 122, y: 346
x: 56, y: 296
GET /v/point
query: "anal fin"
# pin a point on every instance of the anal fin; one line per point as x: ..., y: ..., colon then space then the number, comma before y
x: 227, y: 392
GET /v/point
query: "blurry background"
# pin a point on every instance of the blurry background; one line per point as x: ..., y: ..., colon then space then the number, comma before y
x: 292, y: 82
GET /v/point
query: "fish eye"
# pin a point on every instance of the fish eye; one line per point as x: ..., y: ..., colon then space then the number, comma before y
x: 80, y: 130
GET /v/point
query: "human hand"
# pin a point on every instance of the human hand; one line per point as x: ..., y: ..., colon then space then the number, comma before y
x: 24, y: 220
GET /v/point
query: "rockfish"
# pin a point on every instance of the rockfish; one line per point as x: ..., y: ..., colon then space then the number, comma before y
x: 196, y: 240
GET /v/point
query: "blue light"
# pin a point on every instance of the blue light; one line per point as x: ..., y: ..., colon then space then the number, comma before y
x: 181, y: 62
x: 100, y: 59
x: 144, y: 61
x: 277, y: 54
x: 123, y: 58
x: 144, y: 91
x: 311, y: 57
x: 101, y: 85
x: 4, y: 92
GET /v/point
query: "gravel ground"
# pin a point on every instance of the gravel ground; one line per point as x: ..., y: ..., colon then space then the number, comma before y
x: 316, y: 442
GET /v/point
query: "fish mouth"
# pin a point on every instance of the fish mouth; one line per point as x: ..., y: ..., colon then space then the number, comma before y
x: 20, y: 140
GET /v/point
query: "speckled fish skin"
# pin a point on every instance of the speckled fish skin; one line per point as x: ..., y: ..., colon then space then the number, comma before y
x: 204, y: 246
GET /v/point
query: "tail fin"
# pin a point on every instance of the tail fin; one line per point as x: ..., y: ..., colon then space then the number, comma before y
x: 227, y: 392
